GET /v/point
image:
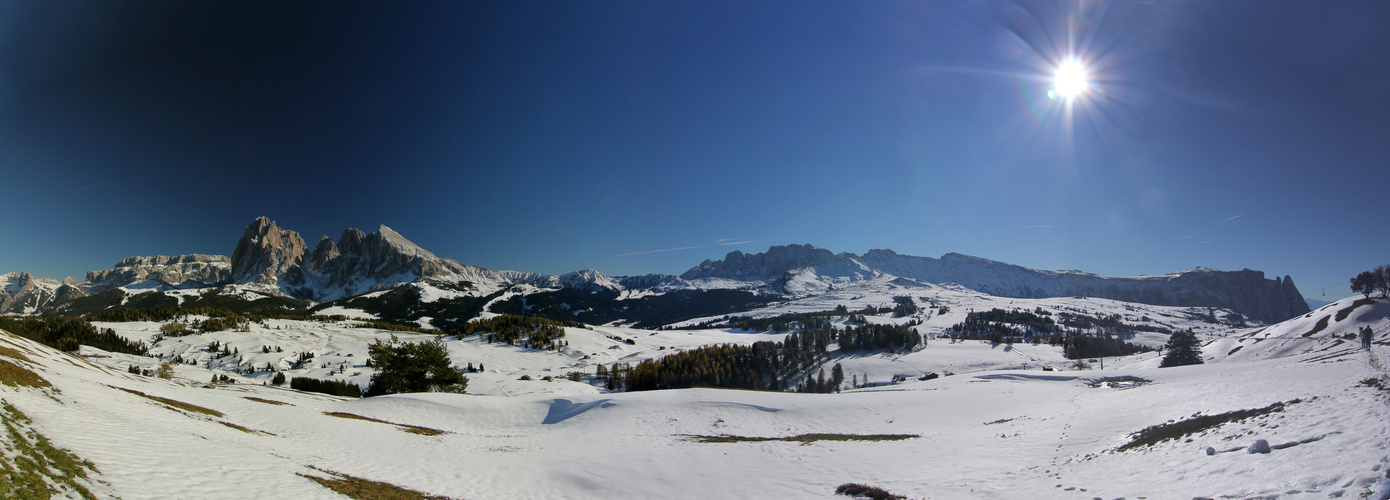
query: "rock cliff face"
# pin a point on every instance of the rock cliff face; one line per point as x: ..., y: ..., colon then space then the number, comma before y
x: 22, y: 293
x: 266, y: 252
x: 360, y: 262
x: 793, y: 267
x: 176, y: 270
x: 765, y: 266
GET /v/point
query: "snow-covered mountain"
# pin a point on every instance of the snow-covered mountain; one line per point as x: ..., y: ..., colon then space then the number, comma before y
x: 23, y: 293
x: 184, y: 271
x: 272, y: 260
x: 359, y: 262
x: 802, y: 270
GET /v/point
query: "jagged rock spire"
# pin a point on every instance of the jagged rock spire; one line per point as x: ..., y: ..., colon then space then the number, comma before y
x: 266, y: 252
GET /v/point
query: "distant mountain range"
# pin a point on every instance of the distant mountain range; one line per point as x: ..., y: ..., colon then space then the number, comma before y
x: 269, y: 261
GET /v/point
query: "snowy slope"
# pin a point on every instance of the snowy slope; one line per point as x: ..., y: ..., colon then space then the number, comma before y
x: 993, y: 434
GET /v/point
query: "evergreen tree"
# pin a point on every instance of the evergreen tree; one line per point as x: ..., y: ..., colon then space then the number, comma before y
x: 413, y: 367
x: 1364, y: 283
x: 837, y: 377
x: 1182, y: 349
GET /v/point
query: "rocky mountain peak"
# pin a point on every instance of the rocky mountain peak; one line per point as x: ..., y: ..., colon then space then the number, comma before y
x: 265, y: 252
x: 764, y: 266
x: 360, y: 262
x: 400, y: 244
x: 326, y: 249
x: 14, y: 282
x: 588, y: 280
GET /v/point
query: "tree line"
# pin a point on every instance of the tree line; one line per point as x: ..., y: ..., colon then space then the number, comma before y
x: 66, y: 334
x: 764, y: 366
x: 528, y: 331
x: 1001, y: 326
x: 1372, y: 281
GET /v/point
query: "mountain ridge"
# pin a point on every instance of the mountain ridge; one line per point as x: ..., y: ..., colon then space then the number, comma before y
x: 278, y: 261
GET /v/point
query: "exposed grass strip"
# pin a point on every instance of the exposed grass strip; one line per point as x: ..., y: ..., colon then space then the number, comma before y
x: 18, y: 376
x: 267, y: 401
x: 1342, y: 314
x: 1322, y: 323
x: 175, y: 403
x: 865, y: 491
x: 8, y: 352
x: 31, y: 467
x: 413, y: 429
x: 366, y: 489
x: 244, y: 429
x: 1183, y: 428
x: 802, y: 438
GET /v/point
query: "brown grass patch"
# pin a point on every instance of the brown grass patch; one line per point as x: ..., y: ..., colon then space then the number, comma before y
x: 5, y: 351
x: 1322, y: 323
x: 267, y: 401
x: 413, y: 429
x: 1177, y: 430
x: 14, y: 375
x: 1342, y: 314
x: 173, y: 403
x: 365, y: 489
x: 244, y: 429
x: 38, y: 469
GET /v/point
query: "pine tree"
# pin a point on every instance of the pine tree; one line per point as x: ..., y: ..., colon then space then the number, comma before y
x: 413, y: 367
x: 1182, y: 349
x: 837, y: 377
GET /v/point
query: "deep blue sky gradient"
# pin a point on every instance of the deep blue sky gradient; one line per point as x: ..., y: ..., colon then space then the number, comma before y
x: 555, y: 136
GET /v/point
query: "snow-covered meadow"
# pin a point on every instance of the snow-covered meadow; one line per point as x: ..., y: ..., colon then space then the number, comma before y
x: 1001, y: 427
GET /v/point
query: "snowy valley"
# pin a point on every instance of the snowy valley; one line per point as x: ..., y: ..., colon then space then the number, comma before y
x: 992, y: 398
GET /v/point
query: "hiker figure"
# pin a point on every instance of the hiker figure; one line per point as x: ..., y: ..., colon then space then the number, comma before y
x: 1366, y: 337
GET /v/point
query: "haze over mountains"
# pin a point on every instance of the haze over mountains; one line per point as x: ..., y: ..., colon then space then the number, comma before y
x: 276, y: 261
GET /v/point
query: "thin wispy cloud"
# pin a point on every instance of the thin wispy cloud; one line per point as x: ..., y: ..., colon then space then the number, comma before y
x: 722, y: 240
x: 1185, y: 237
x: 1231, y: 218
x: 735, y: 242
x: 660, y: 251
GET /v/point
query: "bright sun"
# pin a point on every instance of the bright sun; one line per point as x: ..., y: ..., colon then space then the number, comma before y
x: 1069, y: 81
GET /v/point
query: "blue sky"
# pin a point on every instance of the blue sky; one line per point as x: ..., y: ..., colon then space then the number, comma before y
x: 646, y: 136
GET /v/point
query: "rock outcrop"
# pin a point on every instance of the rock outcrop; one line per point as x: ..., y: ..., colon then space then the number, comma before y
x: 764, y: 266
x: 22, y: 293
x: 360, y: 262
x: 266, y: 252
x: 186, y: 270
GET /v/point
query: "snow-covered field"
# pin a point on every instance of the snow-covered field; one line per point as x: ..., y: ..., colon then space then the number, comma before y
x: 1000, y: 428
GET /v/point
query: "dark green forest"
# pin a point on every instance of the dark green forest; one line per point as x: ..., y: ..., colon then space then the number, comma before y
x: 604, y: 306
